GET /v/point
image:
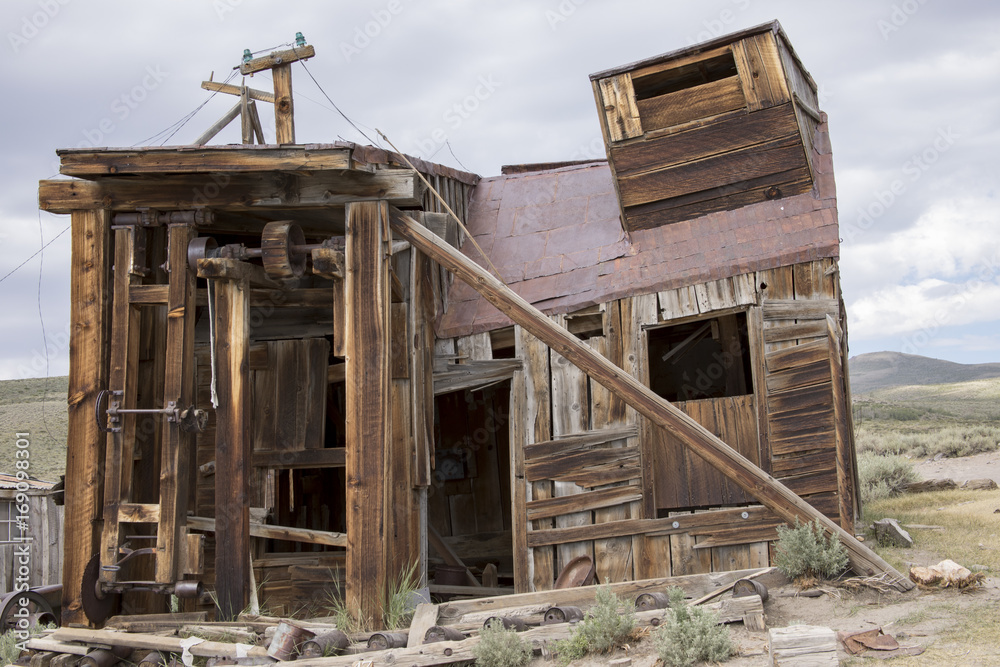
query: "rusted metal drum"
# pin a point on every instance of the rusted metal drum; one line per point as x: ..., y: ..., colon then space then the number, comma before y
x: 383, y: 640
x: 288, y: 637
x: 744, y: 587
x: 509, y: 622
x: 328, y: 643
x: 564, y: 614
x: 442, y: 633
x: 651, y: 601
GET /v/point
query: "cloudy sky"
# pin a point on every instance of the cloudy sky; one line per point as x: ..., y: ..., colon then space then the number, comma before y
x: 912, y: 89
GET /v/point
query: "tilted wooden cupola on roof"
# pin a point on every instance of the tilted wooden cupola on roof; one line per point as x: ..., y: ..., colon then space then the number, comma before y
x: 712, y: 127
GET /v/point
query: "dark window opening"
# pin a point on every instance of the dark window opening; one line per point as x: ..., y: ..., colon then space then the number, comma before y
x: 687, y: 76
x: 698, y: 360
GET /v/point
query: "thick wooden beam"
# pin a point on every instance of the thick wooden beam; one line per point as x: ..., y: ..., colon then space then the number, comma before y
x: 219, y: 125
x: 366, y: 307
x: 660, y: 412
x: 284, y: 108
x: 285, y: 533
x: 228, y: 89
x: 89, y: 283
x: 232, y: 446
x: 233, y: 192
x: 277, y: 59
x: 178, y: 388
x: 89, y: 163
x: 123, y: 376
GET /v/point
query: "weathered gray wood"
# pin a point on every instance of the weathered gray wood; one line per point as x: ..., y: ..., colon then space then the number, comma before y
x: 749, y: 477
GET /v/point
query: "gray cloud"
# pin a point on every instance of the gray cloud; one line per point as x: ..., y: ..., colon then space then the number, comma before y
x: 893, y: 74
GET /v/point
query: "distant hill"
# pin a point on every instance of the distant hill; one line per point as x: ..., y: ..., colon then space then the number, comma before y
x: 880, y: 370
x: 36, y: 406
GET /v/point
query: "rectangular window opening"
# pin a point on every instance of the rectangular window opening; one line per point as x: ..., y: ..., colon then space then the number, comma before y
x: 707, y: 358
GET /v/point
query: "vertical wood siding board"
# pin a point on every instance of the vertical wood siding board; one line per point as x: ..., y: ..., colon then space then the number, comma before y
x: 570, y: 414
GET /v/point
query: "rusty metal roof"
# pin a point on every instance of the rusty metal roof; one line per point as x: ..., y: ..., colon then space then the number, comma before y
x: 557, y: 240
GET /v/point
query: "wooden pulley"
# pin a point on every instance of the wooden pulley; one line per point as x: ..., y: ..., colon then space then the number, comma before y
x: 283, y: 250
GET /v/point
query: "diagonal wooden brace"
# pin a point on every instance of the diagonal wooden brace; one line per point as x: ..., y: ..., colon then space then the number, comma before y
x: 769, y: 491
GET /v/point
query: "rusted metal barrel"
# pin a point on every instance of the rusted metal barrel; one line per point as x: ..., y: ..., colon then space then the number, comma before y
x: 744, y: 587
x: 102, y: 657
x: 564, y: 614
x: 328, y: 643
x: 442, y: 633
x: 651, y: 601
x: 381, y: 641
x: 154, y: 659
x: 288, y: 637
x: 515, y: 623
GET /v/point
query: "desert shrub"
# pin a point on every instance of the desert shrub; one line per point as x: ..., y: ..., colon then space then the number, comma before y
x: 604, y: 627
x: 9, y: 651
x: 883, y: 476
x: 807, y: 550
x: 500, y: 647
x: 691, y: 634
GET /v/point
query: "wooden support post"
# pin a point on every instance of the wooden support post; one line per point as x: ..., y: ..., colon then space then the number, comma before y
x: 232, y: 444
x: 772, y: 493
x: 246, y: 119
x: 87, y: 376
x: 123, y: 376
x: 366, y: 308
x: 284, y: 120
x: 179, y: 389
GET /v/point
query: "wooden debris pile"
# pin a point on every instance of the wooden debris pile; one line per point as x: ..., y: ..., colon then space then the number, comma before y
x: 439, y: 634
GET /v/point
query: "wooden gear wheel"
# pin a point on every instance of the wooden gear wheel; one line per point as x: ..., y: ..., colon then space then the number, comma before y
x: 281, y: 250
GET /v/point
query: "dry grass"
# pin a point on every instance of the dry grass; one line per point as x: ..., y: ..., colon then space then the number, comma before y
x: 971, y: 534
x: 38, y: 407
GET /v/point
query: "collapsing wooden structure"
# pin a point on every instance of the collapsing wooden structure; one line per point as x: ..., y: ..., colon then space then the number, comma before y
x: 296, y: 394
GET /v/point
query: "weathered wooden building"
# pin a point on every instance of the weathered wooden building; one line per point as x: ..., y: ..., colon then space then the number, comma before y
x: 324, y: 401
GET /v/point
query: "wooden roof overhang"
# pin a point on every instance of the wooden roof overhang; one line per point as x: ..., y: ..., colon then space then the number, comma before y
x: 240, y: 184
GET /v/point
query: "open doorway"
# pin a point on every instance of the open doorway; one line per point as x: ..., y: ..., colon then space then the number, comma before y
x: 469, y: 501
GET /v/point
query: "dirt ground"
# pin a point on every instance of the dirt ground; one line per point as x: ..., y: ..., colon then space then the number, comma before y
x: 931, y: 619
x: 980, y: 466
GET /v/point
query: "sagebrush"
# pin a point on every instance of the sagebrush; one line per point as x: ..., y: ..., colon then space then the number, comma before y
x: 607, y: 624
x: 689, y: 635
x: 500, y: 647
x: 808, y: 551
x: 883, y: 476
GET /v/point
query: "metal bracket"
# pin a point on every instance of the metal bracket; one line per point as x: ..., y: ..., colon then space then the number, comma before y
x: 190, y: 419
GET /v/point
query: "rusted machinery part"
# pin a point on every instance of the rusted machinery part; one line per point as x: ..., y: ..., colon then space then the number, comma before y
x: 200, y: 248
x: 563, y: 614
x: 282, y: 250
x: 745, y: 587
x: 38, y: 610
x: 97, y: 605
x: 380, y: 641
x: 652, y: 600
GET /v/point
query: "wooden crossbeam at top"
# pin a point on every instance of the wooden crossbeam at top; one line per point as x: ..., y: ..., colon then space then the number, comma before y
x: 277, y: 59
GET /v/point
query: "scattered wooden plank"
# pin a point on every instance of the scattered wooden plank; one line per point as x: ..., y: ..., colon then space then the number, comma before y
x: 206, y: 649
